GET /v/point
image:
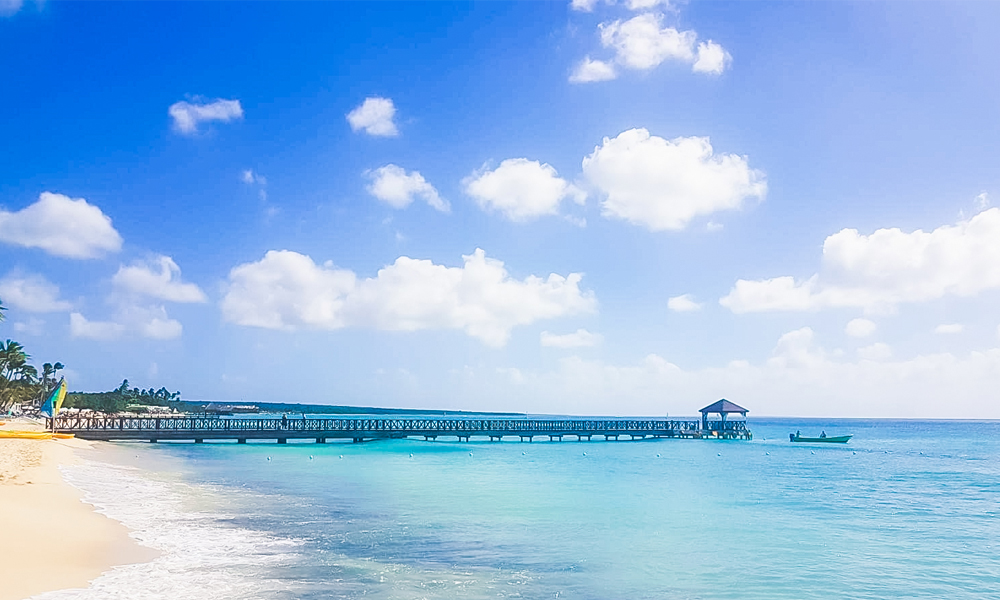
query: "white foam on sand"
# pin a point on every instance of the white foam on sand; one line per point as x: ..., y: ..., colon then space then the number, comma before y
x: 201, y: 556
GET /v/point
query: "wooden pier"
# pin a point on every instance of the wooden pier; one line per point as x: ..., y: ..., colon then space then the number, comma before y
x: 199, y: 429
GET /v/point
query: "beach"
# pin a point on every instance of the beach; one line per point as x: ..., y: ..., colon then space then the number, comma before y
x: 49, y: 538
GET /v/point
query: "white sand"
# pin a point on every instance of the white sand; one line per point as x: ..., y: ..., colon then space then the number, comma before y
x: 49, y: 538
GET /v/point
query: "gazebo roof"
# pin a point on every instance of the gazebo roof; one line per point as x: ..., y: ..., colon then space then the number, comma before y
x: 724, y: 406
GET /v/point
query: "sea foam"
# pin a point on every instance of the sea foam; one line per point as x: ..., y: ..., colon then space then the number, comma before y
x: 201, y: 555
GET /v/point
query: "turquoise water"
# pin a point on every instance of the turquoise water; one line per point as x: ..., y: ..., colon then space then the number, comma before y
x: 907, y: 509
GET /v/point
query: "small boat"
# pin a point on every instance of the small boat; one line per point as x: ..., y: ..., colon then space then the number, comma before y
x: 835, y: 439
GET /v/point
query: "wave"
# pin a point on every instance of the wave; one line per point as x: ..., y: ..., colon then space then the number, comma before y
x: 202, y: 557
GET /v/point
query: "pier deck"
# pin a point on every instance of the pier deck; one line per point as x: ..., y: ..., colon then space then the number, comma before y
x: 200, y: 429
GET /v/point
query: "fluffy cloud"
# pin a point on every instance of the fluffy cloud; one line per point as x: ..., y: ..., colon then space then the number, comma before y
x: 581, y: 338
x: 32, y: 293
x: 135, y: 285
x: 158, y: 278
x: 665, y: 184
x: 397, y: 188
x: 860, y: 328
x: 287, y: 290
x: 685, y: 303
x: 374, y: 116
x: 60, y: 225
x: 188, y: 115
x: 80, y: 327
x: 593, y: 70
x: 712, y: 59
x: 948, y: 328
x: 879, y: 271
x: 642, y: 43
x: 150, y: 322
x: 521, y: 189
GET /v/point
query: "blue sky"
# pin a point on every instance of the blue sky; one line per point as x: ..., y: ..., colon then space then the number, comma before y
x: 629, y: 207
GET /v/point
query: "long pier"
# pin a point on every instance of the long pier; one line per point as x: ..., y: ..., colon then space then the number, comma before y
x: 199, y: 429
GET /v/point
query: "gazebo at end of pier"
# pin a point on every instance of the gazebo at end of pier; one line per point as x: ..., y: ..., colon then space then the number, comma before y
x: 724, y: 428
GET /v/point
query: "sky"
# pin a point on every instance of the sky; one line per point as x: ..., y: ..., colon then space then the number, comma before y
x: 602, y: 207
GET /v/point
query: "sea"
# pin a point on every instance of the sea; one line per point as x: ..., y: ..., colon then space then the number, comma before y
x: 906, y: 509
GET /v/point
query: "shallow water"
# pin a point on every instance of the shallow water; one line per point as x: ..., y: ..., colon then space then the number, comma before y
x: 907, y: 509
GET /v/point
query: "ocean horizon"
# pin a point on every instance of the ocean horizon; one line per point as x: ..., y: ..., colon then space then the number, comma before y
x: 905, y: 510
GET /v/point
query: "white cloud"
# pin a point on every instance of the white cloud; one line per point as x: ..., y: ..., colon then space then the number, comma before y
x: 877, y: 351
x: 799, y: 379
x: 374, y: 116
x: 665, y: 184
x: 80, y: 327
x: 879, y: 271
x: 685, y: 303
x: 32, y: 293
x: 795, y: 349
x: 642, y: 43
x: 10, y: 7
x: 158, y: 278
x: 982, y: 201
x: 287, y: 290
x: 62, y: 226
x: 947, y: 328
x: 153, y: 322
x: 397, y: 188
x: 521, y: 189
x: 590, y: 70
x: 583, y: 5
x: 579, y: 339
x: 589, y: 5
x: 188, y: 116
x: 712, y: 58
x: 860, y: 328
x: 249, y: 176
x: 145, y: 321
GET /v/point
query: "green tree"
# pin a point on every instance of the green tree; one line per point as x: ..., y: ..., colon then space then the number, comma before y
x: 18, y: 379
x: 48, y: 379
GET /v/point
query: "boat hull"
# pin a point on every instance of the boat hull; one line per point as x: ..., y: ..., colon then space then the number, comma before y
x: 836, y: 439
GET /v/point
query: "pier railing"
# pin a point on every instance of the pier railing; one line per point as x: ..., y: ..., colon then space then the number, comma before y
x: 358, y: 429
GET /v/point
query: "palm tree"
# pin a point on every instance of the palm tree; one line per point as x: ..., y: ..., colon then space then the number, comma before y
x: 49, y: 371
x: 12, y: 359
x: 2, y: 308
x: 17, y: 377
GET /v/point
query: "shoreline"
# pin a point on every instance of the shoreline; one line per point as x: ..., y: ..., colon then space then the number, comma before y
x: 50, y: 539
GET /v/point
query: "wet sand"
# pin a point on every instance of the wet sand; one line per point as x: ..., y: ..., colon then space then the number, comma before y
x: 49, y: 538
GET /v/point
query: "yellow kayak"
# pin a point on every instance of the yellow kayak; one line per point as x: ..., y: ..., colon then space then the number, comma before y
x: 33, y: 435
